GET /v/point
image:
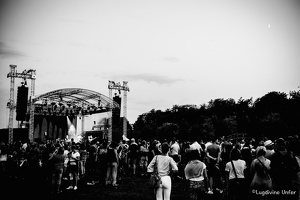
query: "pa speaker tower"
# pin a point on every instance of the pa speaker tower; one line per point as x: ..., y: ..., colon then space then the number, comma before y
x: 22, y: 98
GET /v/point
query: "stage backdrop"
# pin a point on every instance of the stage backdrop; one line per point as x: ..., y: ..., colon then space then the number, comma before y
x: 53, y: 127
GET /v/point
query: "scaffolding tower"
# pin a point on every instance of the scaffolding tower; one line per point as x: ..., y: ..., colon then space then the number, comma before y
x: 117, y: 86
x: 26, y: 74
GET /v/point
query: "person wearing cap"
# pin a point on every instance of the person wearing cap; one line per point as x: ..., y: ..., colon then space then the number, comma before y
x: 269, y: 148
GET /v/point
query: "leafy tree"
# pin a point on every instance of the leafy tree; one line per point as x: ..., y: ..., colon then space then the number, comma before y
x: 272, y: 115
x: 167, y: 131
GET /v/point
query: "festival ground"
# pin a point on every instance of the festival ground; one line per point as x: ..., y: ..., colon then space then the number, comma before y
x: 130, y: 188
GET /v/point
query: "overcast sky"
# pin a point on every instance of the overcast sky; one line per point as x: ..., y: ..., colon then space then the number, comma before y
x: 173, y: 52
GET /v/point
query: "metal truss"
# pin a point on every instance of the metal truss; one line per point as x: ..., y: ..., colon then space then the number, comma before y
x: 72, y: 101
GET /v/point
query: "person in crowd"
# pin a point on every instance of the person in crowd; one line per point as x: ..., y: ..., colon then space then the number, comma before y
x: 34, y: 165
x: 46, y: 167
x: 247, y: 157
x: 203, y: 152
x: 259, y: 171
x: 235, y: 176
x: 209, y: 142
x: 72, y: 169
x: 144, y: 152
x: 226, y: 148
x: 151, y: 150
x: 83, y: 158
x: 284, y: 170
x: 225, y: 153
x: 133, y: 154
x: 102, y: 162
x: 184, y: 158
x: 122, y: 153
x: 269, y: 148
x: 4, y: 172
x: 294, y: 146
x: 57, y: 162
x: 165, y: 165
x: 213, y: 153
x: 175, y: 150
x: 196, y: 175
x: 67, y: 150
x: 91, y: 163
x: 112, y: 164
x: 196, y: 146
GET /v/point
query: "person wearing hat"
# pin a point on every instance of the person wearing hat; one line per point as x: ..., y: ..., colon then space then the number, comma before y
x: 269, y: 148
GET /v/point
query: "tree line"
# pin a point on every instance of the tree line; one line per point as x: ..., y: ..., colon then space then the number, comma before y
x: 273, y: 115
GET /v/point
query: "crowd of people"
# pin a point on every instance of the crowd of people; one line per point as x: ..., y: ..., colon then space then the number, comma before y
x: 232, y: 169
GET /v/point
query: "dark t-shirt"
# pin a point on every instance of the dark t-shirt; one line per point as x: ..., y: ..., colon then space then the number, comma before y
x: 92, y: 153
x: 111, y: 155
x: 213, y: 151
x: 133, y: 150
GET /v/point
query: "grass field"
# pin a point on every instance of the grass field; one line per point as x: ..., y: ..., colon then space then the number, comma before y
x: 130, y: 188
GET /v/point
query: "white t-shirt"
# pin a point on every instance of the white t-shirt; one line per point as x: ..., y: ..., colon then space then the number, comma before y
x: 164, y: 165
x: 240, y: 166
x: 175, y: 149
x: 195, y: 146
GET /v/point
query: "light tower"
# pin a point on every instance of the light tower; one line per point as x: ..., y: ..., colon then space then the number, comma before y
x: 117, y: 86
x: 26, y: 74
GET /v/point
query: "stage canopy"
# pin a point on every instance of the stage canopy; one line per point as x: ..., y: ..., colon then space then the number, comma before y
x: 72, y: 101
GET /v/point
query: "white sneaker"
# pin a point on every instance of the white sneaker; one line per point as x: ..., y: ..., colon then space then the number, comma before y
x: 75, y: 188
x: 210, y: 192
x: 70, y: 187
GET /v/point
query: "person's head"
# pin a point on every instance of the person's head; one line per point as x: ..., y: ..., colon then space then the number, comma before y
x: 61, y: 150
x: 165, y: 148
x: 235, y: 154
x: 228, y: 147
x: 280, y: 144
x: 268, y: 144
x: 261, y: 151
x: 238, y: 146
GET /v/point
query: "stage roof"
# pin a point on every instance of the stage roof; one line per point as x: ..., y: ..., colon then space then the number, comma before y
x: 75, y: 98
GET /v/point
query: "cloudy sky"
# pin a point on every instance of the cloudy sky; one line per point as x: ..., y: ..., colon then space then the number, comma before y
x: 170, y: 51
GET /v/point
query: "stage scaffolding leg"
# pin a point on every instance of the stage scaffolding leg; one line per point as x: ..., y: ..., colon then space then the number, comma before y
x: 109, y: 136
x: 11, y: 103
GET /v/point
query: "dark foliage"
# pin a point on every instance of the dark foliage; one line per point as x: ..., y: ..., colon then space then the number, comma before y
x: 273, y: 115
